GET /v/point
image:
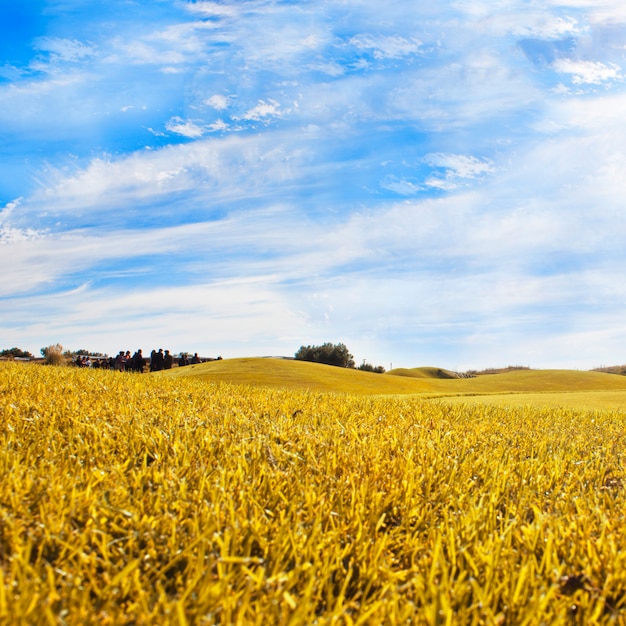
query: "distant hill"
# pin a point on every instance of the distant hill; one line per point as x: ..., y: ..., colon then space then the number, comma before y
x: 423, y: 372
x: 427, y: 381
x: 612, y: 369
x: 294, y: 374
x: 494, y: 370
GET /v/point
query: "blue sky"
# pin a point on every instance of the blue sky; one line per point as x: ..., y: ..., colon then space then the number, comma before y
x: 428, y: 183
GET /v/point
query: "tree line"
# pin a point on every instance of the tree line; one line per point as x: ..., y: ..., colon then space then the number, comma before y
x: 334, y: 354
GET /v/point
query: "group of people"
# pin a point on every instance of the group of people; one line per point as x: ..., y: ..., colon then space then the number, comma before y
x: 160, y: 360
x: 125, y: 362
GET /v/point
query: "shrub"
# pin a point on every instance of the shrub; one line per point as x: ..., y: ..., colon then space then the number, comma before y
x: 53, y: 355
x: 328, y: 353
x: 368, y: 367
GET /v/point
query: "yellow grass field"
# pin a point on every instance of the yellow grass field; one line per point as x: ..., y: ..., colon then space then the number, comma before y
x: 183, y: 499
x: 547, y: 388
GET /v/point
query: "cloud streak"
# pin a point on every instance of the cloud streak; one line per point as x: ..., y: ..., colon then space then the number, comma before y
x: 435, y: 186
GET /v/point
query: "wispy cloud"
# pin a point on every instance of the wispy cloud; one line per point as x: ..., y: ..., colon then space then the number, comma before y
x: 588, y: 72
x: 187, y: 128
x: 386, y: 47
x: 61, y: 49
x: 434, y: 185
x: 456, y: 167
x: 211, y: 9
x: 264, y: 110
x: 9, y: 234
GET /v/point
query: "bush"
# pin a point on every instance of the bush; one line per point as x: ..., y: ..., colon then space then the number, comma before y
x: 328, y: 353
x: 368, y: 367
x: 53, y: 355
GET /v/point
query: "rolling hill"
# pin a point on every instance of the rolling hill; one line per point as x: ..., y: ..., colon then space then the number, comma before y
x: 426, y: 381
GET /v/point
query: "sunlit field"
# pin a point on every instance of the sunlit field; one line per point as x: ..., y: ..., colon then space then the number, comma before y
x: 581, y: 400
x: 290, y: 374
x: 151, y: 499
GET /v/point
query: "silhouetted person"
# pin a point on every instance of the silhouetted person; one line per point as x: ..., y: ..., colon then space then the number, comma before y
x: 168, y: 360
x: 138, y: 361
x: 159, y: 360
x: 120, y: 361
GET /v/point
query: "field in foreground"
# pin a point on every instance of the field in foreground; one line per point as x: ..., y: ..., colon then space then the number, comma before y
x: 129, y: 499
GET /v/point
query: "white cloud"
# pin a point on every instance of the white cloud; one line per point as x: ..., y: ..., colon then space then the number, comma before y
x: 532, y: 22
x: 604, y: 11
x: 212, y: 9
x: 443, y: 184
x: 387, y: 47
x: 187, y: 37
x: 329, y: 68
x: 218, y: 126
x: 229, y: 169
x: 144, y: 53
x: 401, y: 186
x: 460, y: 165
x: 545, y: 26
x: 312, y: 41
x: 61, y: 49
x: 263, y: 110
x: 456, y: 167
x: 187, y: 128
x: 233, y: 318
x: 600, y: 114
x: 172, y: 46
x: 24, y: 91
x: 11, y: 235
x: 9, y: 208
x: 219, y: 102
x: 588, y: 72
x: 480, y: 271
x: 59, y: 255
x: 460, y: 95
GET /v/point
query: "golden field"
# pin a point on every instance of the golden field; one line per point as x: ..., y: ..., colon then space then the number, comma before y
x: 539, y: 388
x: 180, y: 499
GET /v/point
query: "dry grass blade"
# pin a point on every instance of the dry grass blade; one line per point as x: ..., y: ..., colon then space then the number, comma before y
x: 141, y: 500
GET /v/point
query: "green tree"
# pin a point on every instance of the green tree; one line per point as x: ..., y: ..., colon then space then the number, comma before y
x: 328, y: 353
x: 17, y: 353
x: 85, y: 352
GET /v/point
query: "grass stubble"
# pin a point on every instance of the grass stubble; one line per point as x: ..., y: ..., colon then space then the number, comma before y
x: 130, y: 499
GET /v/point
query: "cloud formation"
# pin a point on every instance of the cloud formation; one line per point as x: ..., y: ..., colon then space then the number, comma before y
x: 441, y: 185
